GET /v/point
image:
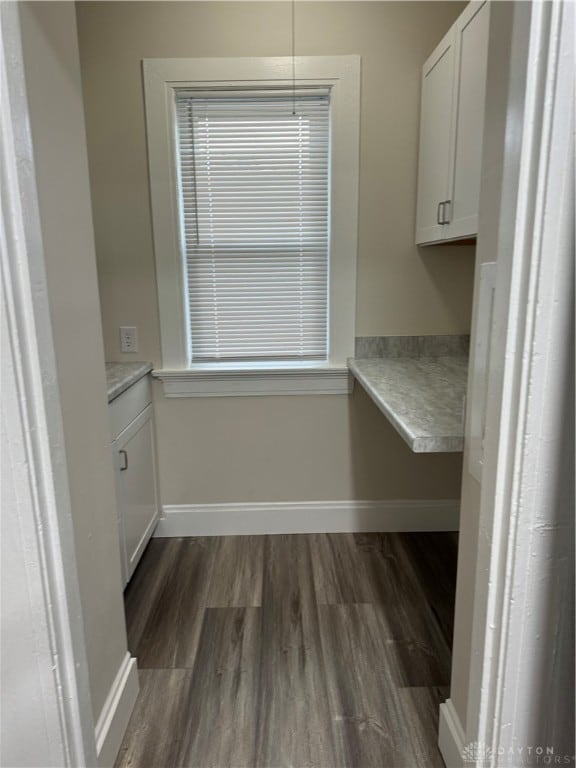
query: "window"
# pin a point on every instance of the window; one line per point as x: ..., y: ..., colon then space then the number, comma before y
x: 253, y: 194
x: 254, y: 199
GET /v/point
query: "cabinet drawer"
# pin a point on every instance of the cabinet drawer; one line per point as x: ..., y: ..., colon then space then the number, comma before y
x: 126, y: 407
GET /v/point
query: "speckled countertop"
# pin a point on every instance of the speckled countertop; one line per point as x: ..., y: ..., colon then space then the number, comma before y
x: 120, y: 376
x: 423, y: 397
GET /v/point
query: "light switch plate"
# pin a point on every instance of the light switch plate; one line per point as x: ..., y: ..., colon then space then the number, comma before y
x: 128, y: 338
x: 480, y: 367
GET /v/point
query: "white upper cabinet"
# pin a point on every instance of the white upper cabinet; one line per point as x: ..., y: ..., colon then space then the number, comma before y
x: 468, y: 119
x: 451, y: 127
x: 435, y: 150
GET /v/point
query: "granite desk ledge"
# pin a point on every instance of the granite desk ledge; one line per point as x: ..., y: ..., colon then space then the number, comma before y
x: 121, y: 376
x: 423, y: 397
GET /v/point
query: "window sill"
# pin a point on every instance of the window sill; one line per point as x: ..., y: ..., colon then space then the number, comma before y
x: 206, y: 381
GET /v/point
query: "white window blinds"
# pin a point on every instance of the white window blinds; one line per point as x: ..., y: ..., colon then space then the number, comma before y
x: 253, y: 181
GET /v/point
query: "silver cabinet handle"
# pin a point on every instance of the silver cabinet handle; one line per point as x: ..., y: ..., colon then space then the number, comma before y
x: 125, y: 457
x: 440, y: 214
x: 446, y: 220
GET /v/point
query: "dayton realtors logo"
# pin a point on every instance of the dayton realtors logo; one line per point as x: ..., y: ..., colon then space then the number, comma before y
x: 478, y: 754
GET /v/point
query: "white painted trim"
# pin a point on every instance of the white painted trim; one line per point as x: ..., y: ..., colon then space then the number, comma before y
x: 222, y: 383
x: 116, y: 712
x: 526, y: 447
x: 307, y: 517
x: 451, y: 737
x: 39, y: 521
x: 521, y: 594
x: 339, y: 73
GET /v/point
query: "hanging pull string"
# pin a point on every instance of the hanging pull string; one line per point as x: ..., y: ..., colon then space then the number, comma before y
x: 293, y: 27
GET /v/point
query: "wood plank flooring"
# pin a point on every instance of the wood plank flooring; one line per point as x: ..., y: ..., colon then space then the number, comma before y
x: 307, y: 651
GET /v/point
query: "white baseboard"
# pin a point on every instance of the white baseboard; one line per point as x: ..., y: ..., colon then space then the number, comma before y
x: 451, y: 736
x: 307, y: 517
x: 116, y: 712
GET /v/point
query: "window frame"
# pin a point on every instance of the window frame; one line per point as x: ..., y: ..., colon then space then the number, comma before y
x: 340, y: 74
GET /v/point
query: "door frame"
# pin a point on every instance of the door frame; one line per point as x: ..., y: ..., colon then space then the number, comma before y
x: 33, y: 436
x: 528, y: 389
x: 34, y: 472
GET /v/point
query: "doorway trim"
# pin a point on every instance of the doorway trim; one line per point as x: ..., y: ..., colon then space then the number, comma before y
x: 534, y: 290
x: 34, y: 461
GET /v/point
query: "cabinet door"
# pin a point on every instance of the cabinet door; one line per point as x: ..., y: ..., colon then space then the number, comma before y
x: 137, y: 498
x: 471, y: 41
x: 434, y: 154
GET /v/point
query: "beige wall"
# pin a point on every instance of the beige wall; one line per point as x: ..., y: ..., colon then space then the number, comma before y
x: 305, y: 448
x: 267, y: 449
x: 57, y: 122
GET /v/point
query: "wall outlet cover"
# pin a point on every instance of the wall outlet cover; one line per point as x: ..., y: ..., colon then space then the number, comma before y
x: 128, y: 338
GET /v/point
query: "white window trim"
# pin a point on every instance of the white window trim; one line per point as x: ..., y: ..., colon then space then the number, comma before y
x: 342, y: 75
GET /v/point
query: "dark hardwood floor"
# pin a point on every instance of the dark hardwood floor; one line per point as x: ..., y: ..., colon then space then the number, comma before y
x: 308, y: 651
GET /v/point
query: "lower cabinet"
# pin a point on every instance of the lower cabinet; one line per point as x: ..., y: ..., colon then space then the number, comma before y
x: 135, y: 469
